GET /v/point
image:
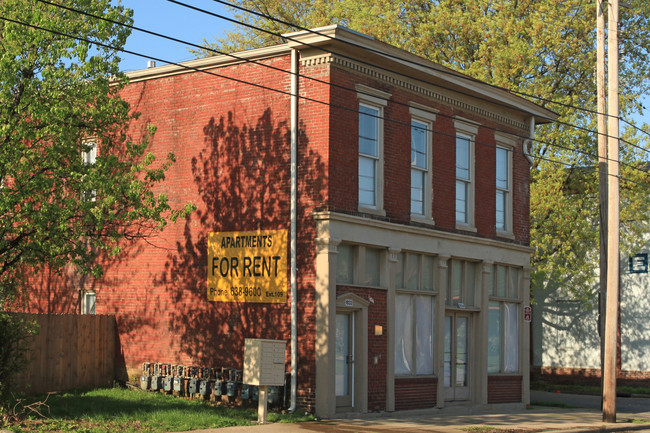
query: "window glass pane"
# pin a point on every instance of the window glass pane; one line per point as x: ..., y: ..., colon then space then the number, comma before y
x: 424, y: 335
x: 511, y: 338
x: 419, y: 145
x: 403, y: 335
x: 89, y: 303
x: 447, y: 354
x: 513, y: 289
x: 372, y: 267
x: 502, y: 168
x: 427, y: 273
x: 399, y: 274
x: 456, y: 282
x: 411, y: 271
x: 344, y: 264
x: 367, y: 181
x: 501, y: 210
x: 494, y: 337
x: 461, y: 351
x: 342, y: 371
x: 491, y: 282
x: 501, y: 281
x: 461, y: 201
x: 368, y: 130
x: 417, y: 192
x: 90, y: 156
x: 470, y: 281
x: 462, y: 158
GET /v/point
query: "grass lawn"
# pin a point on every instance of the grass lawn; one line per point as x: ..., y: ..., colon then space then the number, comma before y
x: 133, y: 411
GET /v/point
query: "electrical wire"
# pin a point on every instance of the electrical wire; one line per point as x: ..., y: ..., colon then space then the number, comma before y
x: 195, y: 69
x: 443, y: 71
x: 311, y: 78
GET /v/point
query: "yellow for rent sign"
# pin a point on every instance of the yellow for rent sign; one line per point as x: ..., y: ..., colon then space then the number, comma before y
x: 247, y: 266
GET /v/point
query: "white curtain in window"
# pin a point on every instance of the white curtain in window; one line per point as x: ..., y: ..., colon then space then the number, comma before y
x: 494, y: 337
x: 424, y: 335
x: 403, y: 335
x: 511, y: 338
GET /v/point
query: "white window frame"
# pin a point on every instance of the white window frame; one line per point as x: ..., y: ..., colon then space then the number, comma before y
x: 88, y: 302
x: 424, y: 116
x: 415, y: 297
x: 359, y: 274
x: 374, y: 99
x: 507, y: 143
x: 509, y: 360
x: 90, y: 158
x: 467, y: 130
x: 468, y: 284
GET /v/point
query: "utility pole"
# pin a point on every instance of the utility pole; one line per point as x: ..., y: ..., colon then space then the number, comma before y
x: 611, y: 318
x: 602, y: 174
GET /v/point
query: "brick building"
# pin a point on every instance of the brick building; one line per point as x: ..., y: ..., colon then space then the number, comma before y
x: 411, y: 221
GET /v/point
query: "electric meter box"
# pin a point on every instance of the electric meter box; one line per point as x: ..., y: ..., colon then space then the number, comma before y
x: 264, y: 362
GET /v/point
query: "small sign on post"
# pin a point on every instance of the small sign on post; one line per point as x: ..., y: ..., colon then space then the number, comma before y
x: 528, y: 314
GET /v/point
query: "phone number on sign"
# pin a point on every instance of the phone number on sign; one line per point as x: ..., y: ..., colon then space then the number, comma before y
x: 246, y: 291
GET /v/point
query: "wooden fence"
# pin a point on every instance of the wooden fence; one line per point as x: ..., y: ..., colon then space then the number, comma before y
x: 70, y: 351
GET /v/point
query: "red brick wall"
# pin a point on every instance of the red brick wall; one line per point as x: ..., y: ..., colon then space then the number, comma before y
x: 415, y: 393
x: 504, y: 389
x: 397, y: 148
x: 231, y: 142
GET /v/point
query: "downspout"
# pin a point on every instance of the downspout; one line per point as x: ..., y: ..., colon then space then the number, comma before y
x: 528, y: 144
x: 293, y: 230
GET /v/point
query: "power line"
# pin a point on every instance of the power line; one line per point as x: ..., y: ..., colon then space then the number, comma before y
x: 311, y: 78
x: 443, y: 71
x: 195, y: 69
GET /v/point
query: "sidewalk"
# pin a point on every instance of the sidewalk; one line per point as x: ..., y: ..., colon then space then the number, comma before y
x: 457, y: 419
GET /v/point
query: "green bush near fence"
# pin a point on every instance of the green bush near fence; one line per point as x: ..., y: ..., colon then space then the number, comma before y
x: 14, y: 331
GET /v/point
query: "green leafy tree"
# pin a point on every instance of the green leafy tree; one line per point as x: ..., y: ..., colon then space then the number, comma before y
x: 72, y: 185
x: 542, y: 48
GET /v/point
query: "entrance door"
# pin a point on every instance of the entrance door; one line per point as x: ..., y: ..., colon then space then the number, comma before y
x: 344, y: 360
x: 456, y: 361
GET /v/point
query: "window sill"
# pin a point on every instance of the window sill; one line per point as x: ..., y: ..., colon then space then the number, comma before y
x: 372, y: 211
x: 466, y: 227
x: 505, y: 235
x: 425, y: 220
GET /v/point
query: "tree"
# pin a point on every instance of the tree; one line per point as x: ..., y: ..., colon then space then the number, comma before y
x: 542, y: 48
x: 73, y: 184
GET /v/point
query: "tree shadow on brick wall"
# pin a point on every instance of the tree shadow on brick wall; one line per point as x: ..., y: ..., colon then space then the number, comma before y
x: 243, y: 179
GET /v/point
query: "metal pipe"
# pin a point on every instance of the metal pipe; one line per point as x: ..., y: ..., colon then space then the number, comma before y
x: 294, y: 242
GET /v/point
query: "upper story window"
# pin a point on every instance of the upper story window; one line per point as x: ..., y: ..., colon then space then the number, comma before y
x: 422, y: 119
x: 371, y: 148
x: 90, y: 158
x: 90, y: 154
x: 368, y: 155
x: 465, y: 137
x: 503, y: 216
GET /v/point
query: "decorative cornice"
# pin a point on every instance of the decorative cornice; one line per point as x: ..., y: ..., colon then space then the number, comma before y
x: 423, y: 90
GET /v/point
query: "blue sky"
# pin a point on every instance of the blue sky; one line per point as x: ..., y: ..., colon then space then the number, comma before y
x: 170, y: 19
